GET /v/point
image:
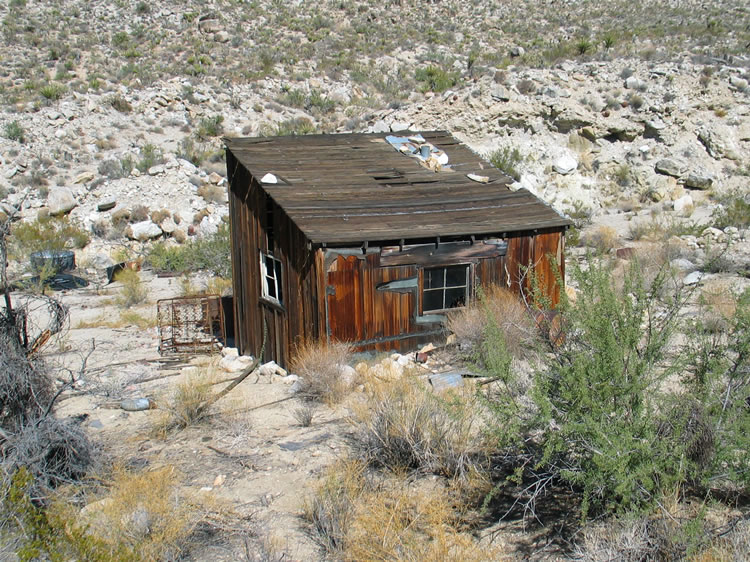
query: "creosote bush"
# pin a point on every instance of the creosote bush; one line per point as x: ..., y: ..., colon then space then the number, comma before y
x: 600, y: 416
x: 506, y: 160
x: 46, y: 234
x: 323, y: 370
x: 210, y: 253
x: 15, y: 132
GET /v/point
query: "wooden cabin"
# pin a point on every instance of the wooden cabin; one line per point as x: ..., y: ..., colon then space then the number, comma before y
x: 373, y: 238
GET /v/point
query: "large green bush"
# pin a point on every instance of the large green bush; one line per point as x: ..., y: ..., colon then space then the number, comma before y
x: 46, y: 234
x: 211, y: 253
x: 641, y: 399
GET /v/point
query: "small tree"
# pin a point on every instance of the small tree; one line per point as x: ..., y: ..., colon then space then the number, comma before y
x: 597, y: 415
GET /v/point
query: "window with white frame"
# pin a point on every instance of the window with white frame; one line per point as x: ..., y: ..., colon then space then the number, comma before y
x: 445, y: 287
x: 270, y: 271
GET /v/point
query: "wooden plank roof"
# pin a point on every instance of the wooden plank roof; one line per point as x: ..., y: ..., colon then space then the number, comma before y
x: 351, y: 188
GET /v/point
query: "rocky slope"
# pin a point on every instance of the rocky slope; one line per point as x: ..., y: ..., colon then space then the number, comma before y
x: 116, y: 111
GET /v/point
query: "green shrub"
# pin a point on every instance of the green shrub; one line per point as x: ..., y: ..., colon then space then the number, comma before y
x: 435, y: 79
x: 583, y: 46
x: 506, y: 159
x: 734, y: 211
x: 116, y: 169
x: 294, y: 126
x: 15, y: 132
x: 210, y: 127
x: 46, y: 234
x: 211, y: 253
x: 598, y: 418
x: 151, y: 155
x: 52, y: 91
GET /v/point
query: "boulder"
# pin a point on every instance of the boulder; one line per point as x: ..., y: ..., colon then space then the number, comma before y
x: 633, y: 83
x: 684, y: 205
x: 565, y: 165
x: 106, y: 204
x: 60, y: 201
x: 144, y: 230
x: 398, y: 126
x: 669, y: 167
x: 235, y: 363
x: 209, y: 24
x: 499, y: 92
x: 168, y: 225
x: 719, y: 141
x: 699, y: 179
x: 692, y: 278
x: 738, y: 83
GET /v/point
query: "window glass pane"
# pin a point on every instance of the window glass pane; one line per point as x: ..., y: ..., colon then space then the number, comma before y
x: 432, y: 300
x: 434, y: 278
x: 455, y: 297
x: 455, y: 276
x: 270, y: 287
x: 278, y: 280
x: 269, y: 265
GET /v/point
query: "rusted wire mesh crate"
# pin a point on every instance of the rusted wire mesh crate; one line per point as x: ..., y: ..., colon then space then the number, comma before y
x: 193, y: 324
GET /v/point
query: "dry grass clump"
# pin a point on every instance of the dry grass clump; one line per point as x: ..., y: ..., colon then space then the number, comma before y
x: 356, y: 518
x: 324, y: 371
x: 470, y: 323
x: 603, y: 239
x: 186, y: 405
x: 719, y: 306
x: 404, y: 426
x: 145, y: 514
x: 678, y: 531
x: 212, y: 193
x: 133, y: 292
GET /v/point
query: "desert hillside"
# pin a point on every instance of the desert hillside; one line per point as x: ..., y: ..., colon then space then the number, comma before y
x: 630, y: 118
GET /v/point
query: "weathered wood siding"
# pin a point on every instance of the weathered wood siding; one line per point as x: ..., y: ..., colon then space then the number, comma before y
x: 358, y: 310
x: 296, y: 318
x: 344, y: 294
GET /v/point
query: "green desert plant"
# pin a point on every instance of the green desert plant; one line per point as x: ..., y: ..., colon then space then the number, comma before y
x: 506, y: 160
x: 15, y: 132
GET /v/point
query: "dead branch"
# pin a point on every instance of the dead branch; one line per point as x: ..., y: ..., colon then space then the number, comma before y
x: 242, y: 376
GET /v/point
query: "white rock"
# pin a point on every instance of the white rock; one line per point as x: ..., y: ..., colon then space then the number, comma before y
x: 398, y: 126
x: 565, y: 165
x: 168, y: 225
x: 230, y: 352
x: 692, y: 278
x: 234, y: 364
x: 60, y: 200
x: 738, y: 83
x: 144, y: 230
x: 348, y: 374
x: 684, y: 205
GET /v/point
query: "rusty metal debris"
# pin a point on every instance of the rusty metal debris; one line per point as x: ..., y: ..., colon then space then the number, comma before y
x: 192, y: 324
